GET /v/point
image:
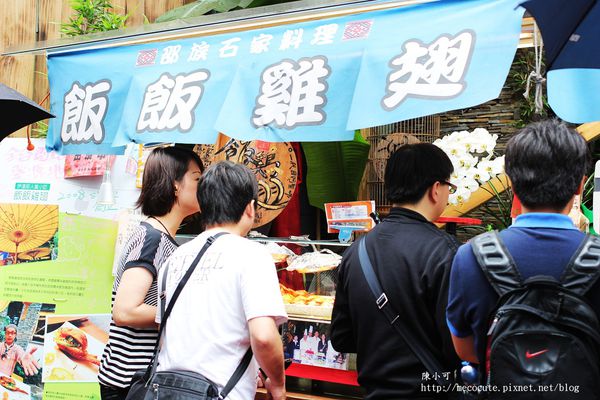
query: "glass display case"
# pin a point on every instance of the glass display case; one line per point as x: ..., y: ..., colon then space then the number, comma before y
x: 307, y: 284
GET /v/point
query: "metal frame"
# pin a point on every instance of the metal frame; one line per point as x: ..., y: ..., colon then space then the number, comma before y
x: 234, y: 21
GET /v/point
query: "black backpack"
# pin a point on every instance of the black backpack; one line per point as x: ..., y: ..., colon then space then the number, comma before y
x: 543, y: 340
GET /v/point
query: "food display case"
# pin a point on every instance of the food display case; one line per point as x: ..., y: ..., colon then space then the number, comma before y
x: 317, y: 370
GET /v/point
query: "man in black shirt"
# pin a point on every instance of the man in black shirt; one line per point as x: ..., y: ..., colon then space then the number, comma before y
x: 411, y: 258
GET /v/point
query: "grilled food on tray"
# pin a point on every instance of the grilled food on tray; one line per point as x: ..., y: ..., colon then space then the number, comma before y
x: 73, y: 343
x: 303, y: 297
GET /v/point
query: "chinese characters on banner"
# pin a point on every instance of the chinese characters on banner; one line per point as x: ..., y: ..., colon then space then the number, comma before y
x: 435, y: 70
x: 84, y: 109
x: 169, y: 102
x: 292, y: 93
x: 311, y: 81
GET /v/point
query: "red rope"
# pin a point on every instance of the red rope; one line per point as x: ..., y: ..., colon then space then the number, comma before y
x: 30, y: 145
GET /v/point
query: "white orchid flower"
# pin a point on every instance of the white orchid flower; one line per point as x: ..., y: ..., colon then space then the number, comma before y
x: 460, y: 196
x: 497, y: 165
x: 468, y: 161
x: 472, y: 157
x: 482, y: 171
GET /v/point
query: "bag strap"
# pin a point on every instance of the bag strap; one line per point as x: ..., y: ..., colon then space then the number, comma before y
x: 584, y: 268
x: 237, y: 374
x: 164, y: 314
x: 496, y: 262
x: 245, y: 361
x: 432, y: 365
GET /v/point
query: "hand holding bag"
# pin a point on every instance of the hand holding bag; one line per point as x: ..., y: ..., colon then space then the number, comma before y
x: 178, y: 385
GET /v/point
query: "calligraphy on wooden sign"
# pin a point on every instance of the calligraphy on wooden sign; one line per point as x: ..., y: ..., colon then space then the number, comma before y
x: 274, y: 165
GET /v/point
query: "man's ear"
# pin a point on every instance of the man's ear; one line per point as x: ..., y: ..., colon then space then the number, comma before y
x: 434, y: 192
x: 250, y: 210
x: 581, y: 185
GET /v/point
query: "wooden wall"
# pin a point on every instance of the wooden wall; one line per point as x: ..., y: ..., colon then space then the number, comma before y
x: 25, y: 22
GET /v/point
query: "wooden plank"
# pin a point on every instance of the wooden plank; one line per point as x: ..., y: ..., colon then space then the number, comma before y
x: 18, y: 27
x: 154, y: 9
x: 590, y: 131
x: 135, y: 10
x: 52, y: 14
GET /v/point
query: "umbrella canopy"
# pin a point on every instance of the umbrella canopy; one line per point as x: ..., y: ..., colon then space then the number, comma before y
x: 570, y: 31
x: 25, y: 227
x: 35, y: 254
x: 17, y: 111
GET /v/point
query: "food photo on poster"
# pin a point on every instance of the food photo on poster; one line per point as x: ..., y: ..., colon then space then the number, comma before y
x: 73, y: 345
x: 21, y: 348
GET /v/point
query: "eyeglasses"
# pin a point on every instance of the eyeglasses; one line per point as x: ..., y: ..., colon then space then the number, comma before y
x: 451, y: 187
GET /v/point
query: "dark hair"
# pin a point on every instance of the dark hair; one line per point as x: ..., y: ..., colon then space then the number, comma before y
x: 545, y: 162
x: 224, y: 191
x: 412, y: 169
x: 164, y: 167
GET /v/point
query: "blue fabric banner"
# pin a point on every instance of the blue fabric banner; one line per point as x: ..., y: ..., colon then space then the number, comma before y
x: 311, y: 81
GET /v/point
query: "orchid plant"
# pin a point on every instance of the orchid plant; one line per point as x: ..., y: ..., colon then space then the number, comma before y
x: 472, y: 155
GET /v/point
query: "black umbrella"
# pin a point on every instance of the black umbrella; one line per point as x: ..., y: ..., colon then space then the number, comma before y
x: 571, y: 33
x: 17, y: 111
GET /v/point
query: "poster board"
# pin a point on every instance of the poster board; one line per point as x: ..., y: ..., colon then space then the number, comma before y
x: 79, y: 282
x: 38, y: 177
x: 355, y: 214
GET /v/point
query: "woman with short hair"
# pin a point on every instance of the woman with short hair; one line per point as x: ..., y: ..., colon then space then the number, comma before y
x: 168, y: 195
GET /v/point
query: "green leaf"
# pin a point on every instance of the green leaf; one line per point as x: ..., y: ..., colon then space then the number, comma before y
x: 194, y: 9
x: 335, y: 169
x: 202, y: 7
x: 589, y: 214
x: 260, y: 3
x: 226, y: 5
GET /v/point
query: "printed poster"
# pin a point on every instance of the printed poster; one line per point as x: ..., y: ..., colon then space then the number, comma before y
x: 309, y: 343
x: 21, y: 348
x: 87, y: 165
x: 78, y: 284
x: 356, y: 214
x: 37, y: 177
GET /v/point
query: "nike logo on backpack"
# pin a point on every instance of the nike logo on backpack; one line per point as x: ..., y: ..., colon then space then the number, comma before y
x: 529, y: 355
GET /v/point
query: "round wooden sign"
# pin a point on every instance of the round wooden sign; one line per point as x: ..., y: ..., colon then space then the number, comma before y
x: 274, y: 165
x: 206, y: 152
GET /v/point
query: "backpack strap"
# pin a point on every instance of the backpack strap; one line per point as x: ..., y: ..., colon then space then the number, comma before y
x: 496, y: 262
x: 584, y: 268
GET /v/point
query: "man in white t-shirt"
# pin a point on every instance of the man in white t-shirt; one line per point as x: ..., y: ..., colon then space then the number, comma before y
x: 232, y: 300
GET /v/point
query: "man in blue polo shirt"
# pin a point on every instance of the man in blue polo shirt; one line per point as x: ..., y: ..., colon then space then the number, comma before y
x: 546, y: 162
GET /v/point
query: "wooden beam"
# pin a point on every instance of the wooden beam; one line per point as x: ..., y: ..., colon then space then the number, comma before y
x: 478, y: 197
x: 589, y: 131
